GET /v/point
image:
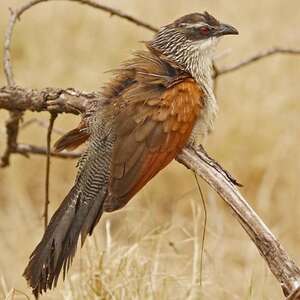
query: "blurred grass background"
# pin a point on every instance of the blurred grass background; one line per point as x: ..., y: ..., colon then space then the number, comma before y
x: 150, y: 249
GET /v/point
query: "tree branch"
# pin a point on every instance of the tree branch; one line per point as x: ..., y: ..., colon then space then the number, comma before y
x: 256, y: 57
x: 12, y: 127
x: 282, y: 267
x: 118, y: 13
x: 49, y: 99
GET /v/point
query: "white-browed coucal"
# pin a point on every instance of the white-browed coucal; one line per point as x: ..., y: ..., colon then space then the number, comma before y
x: 156, y: 103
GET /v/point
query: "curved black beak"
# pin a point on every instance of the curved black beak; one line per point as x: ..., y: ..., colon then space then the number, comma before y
x: 225, y: 29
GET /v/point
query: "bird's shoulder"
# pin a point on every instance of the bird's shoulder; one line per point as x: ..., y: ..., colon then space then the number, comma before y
x: 143, y: 72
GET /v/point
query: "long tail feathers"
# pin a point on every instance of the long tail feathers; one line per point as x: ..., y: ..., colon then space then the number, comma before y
x: 57, y: 248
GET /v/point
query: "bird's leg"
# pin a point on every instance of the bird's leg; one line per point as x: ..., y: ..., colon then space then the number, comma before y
x: 68, y: 100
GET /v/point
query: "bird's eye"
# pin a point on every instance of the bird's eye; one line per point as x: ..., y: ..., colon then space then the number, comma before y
x: 204, y: 30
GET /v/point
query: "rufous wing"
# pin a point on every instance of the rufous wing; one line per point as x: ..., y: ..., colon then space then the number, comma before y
x: 150, y: 133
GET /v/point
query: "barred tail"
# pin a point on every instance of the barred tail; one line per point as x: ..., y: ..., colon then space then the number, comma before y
x: 58, y: 245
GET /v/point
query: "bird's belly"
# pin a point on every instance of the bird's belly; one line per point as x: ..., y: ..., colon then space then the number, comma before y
x: 204, y: 123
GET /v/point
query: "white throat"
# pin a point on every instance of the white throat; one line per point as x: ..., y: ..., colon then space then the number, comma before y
x: 200, y: 65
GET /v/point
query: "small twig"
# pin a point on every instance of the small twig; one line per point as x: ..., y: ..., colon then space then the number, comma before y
x: 115, y: 12
x: 7, y: 66
x: 204, y: 227
x: 256, y: 57
x: 28, y: 150
x: 15, y: 15
x: 47, y: 179
x: 42, y: 124
x: 12, y: 130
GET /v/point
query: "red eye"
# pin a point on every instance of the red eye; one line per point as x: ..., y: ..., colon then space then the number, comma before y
x: 204, y: 30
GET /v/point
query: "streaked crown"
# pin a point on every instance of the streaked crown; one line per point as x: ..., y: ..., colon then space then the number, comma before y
x: 199, y: 26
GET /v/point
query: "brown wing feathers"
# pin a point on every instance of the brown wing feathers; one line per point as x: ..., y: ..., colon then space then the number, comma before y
x: 159, y: 131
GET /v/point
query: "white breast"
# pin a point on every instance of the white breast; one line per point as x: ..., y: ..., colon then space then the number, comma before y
x: 205, y: 121
x: 201, y: 70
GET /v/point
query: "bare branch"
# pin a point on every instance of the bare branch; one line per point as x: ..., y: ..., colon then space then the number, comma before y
x: 16, y: 14
x: 12, y: 125
x: 49, y: 99
x: 115, y: 12
x: 27, y: 150
x: 13, y: 122
x: 254, y: 58
x: 17, y: 100
x: 283, y: 268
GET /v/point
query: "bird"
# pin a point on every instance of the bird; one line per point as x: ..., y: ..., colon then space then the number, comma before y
x: 156, y: 103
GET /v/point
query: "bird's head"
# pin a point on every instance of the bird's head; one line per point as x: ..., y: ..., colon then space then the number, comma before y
x: 190, y: 35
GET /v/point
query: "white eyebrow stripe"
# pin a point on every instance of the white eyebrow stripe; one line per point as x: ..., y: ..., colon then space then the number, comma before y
x: 195, y: 25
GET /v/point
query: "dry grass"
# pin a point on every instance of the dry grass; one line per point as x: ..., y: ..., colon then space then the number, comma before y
x: 150, y: 250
